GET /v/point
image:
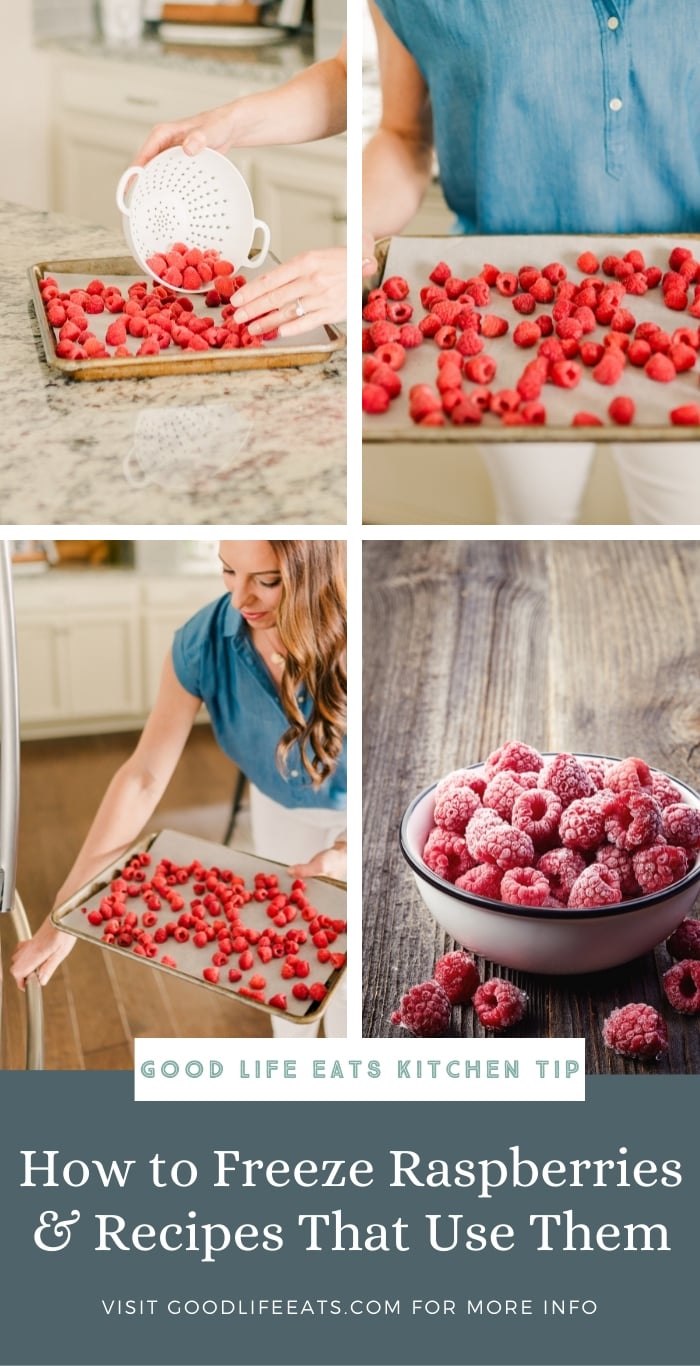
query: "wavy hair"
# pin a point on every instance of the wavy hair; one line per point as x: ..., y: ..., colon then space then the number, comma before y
x: 311, y: 620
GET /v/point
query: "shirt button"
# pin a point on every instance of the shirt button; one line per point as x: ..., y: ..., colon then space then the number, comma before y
x: 613, y: 23
x: 615, y: 105
x: 295, y: 773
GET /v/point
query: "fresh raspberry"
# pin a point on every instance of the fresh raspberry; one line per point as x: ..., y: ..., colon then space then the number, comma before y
x: 375, y: 398
x: 524, y: 887
x: 661, y: 369
x: 677, y: 299
x: 383, y: 332
x: 678, y: 256
x: 609, y: 369
x: 566, y: 374
x: 682, y: 986
x: 682, y: 357
x: 391, y: 353
x: 524, y: 303
x: 620, y: 862
x: 480, y: 369
x: 633, y: 821
x: 538, y: 813
x: 479, y: 291
x: 505, y: 401
x: 482, y: 880
x: 534, y: 413
x: 504, y: 789
x: 688, y: 415
x: 513, y: 757
x: 582, y: 825
x: 529, y: 386
x: 561, y: 867
x: 527, y: 276
x: 493, y: 326
x: 499, y: 1004
x: 448, y: 312
x: 629, y: 775
x: 466, y: 414
x: 586, y: 420
x: 527, y: 334
x: 566, y: 776
x: 446, y: 854
x: 440, y: 273
x: 542, y: 290
x: 425, y: 1011
x: 555, y: 272
x: 595, y: 886
x: 507, y: 284
x: 666, y: 792
x: 681, y: 826
x: 588, y: 263
x: 621, y: 410
x: 636, y: 1031
x: 659, y: 866
x: 470, y: 343
x: 385, y: 376
x: 458, y: 976
x: 685, y: 941
x: 410, y: 336
x: 396, y: 287
x: 455, y: 807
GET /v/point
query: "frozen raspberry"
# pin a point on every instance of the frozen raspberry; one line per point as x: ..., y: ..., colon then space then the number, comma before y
x: 499, y: 1004
x: 595, y: 886
x: 633, y: 821
x: 513, y: 757
x: 688, y: 415
x: 561, y: 868
x: 524, y: 887
x: 538, y: 813
x: 659, y: 866
x: 681, y: 825
x: 506, y: 847
x: 621, y: 410
x: 425, y: 1010
x: 458, y: 976
x: 483, y: 880
x: 582, y: 825
x: 375, y: 398
x: 567, y: 778
x: 685, y: 941
x: 666, y: 792
x: 661, y: 369
x: 504, y: 789
x: 455, y: 807
x: 629, y: 775
x: 636, y: 1031
x: 596, y: 770
x: 446, y: 854
x: 478, y: 834
x: 682, y: 986
x: 620, y: 862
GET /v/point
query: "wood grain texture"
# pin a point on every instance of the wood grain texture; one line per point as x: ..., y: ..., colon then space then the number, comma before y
x: 575, y: 645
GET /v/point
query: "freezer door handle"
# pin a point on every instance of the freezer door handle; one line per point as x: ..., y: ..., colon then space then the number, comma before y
x: 9, y: 734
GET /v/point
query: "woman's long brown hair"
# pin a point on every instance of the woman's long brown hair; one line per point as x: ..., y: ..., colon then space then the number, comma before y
x: 311, y: 621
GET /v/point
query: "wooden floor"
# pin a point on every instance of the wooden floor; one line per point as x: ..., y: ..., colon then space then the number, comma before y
x: 98, y: 1002
x: 590, y: 646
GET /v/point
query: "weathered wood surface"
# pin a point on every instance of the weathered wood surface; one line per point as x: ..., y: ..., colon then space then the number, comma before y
x: 570, y: 645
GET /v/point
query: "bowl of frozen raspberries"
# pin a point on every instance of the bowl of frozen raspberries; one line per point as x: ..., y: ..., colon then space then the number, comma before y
x: 555, y: 863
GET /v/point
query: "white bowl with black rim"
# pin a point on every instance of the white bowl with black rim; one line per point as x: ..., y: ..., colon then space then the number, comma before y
x: 537, y: 939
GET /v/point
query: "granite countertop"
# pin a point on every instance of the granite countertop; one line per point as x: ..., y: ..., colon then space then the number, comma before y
x: 267, y: 65
x: 259, y: 446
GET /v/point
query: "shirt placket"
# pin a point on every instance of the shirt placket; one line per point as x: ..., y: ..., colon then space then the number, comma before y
x: 611, y: 18
x: 252, y: 660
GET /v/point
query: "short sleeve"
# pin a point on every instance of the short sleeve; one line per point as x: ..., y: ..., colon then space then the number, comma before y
x: 187, y: 651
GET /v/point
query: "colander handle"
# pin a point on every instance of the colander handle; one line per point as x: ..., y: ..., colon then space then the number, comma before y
x: 258, y: 260
x: 121, y: 187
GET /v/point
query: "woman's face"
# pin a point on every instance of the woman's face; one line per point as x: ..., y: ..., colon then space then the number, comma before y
x: 252, y: 576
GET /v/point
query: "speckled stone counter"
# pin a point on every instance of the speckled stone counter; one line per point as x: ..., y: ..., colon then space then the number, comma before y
x: 266, y: 65
x: 243, y: 447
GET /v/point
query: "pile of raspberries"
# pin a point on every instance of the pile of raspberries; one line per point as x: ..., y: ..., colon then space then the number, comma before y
x: 562, y: 832
x: 152, y: 318
x: 205, y: 907
x: 426, y: 1009
x: 455, y: 321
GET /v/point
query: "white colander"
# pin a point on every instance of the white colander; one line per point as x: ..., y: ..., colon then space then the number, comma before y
x: 201, y: 200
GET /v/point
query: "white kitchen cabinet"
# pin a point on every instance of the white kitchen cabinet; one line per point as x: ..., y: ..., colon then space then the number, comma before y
x: 91, y: 646
x: 104, y: 111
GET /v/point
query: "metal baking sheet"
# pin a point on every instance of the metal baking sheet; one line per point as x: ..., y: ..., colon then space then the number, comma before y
x: 415, y: 257
x: 311, y: 349
x: 329, y: 899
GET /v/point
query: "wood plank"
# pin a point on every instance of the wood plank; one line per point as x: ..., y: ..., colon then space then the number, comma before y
x: 577, y: 645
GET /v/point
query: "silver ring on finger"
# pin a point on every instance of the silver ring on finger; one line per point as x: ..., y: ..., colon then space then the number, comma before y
x: 299, y: 309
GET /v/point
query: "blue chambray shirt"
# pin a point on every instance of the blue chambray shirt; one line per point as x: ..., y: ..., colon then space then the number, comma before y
x: 562, y: 115
x: 214, y: 659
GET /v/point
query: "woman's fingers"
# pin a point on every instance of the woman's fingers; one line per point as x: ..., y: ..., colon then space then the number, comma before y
x: 296, y: 297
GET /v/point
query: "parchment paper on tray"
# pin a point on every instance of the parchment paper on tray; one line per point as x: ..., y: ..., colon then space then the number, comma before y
x: 326, y: 897
x: 310, y: 348
x: 416, y: 257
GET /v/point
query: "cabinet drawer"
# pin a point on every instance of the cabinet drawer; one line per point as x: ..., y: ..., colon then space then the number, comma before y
x: 136, y: 93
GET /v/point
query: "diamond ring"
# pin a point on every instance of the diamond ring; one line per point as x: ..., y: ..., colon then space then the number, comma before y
x: 299, y: 309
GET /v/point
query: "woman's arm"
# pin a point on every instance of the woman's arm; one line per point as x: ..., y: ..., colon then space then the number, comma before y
x: 398, y: 158
x: 127, y: 805
x: 311, y: 105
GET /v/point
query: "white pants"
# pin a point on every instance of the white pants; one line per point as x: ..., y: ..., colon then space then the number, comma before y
x: 544, y: 482
x: 294, y: 836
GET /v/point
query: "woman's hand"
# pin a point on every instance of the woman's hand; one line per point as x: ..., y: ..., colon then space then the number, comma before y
x: 369, y: 260
x: 40, y: 954
x: 329, y: 863
x: 214, y: 128
x: 315, y: 280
